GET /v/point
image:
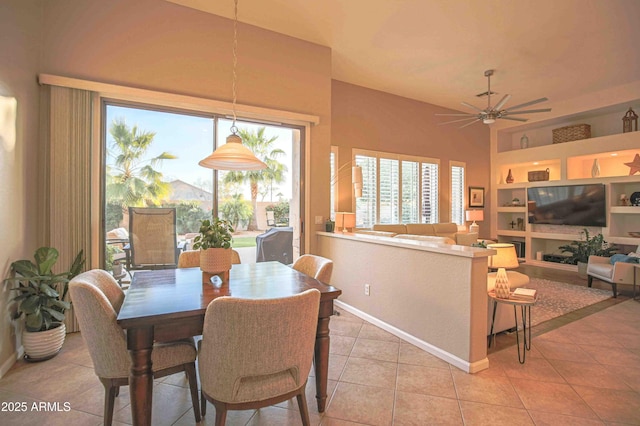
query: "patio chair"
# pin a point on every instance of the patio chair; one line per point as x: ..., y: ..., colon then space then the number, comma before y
x: 152, y: 238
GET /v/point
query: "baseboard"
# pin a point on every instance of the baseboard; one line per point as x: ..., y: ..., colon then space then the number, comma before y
x: 6, y: 366
x: 469, y: 367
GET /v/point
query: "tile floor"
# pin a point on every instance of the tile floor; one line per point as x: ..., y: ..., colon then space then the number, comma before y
x: 585, y: 371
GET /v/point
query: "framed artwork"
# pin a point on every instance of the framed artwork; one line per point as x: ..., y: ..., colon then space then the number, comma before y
x: 476, y: 196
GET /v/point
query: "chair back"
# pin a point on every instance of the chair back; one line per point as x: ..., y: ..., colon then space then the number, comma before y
x: 152, y: 237
x: 317, y: 267
x: 191, y: 258
x: 253, y: 350
x: 97, y: 298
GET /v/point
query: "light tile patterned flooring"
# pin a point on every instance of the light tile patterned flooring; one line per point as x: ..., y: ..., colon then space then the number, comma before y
x: 585, y: 372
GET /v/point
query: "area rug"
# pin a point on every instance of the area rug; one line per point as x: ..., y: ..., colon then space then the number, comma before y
x: 557, y: 298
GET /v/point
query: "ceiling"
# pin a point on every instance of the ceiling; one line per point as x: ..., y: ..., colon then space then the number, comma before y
x: 436, y: 51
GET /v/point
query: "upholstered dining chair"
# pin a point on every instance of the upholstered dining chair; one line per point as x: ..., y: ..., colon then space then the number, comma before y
x: 191, y: 258
x: 97, y: 299
x: 257, y: 352
x: 315, y: 266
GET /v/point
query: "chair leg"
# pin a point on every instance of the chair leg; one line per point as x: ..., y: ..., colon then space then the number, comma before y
x: 302, y: 405
x: 615, y: 290
x: 110, y: 390
x: 190, y: 370
x: 221, y: 413
x: 203, y: 404
x: 589, y: 280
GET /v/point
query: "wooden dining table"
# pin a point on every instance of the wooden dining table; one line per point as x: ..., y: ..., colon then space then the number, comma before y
x: 169, y: 304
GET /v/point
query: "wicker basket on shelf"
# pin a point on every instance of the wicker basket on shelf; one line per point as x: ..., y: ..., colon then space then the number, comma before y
x: 571, y: 133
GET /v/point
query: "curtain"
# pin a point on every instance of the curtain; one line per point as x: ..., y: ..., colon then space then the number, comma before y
x: 65, y: 177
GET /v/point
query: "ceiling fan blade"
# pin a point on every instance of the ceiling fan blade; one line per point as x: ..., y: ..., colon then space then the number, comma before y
x: 462, y: 119
x: 472, y: 106
x: 502, y: 102
x: 527, y: 111
x: 513, y: 118
x: 527, y: 104
x: 469, y: 124
x: 462, y: 114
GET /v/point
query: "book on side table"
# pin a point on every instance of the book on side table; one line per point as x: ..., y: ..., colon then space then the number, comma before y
x: 524, y: 294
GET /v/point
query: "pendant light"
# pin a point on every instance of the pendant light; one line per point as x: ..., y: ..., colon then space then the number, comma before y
x: 233, y: 155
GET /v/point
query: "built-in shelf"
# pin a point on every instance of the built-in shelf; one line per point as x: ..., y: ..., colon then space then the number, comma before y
x: 569, y: 163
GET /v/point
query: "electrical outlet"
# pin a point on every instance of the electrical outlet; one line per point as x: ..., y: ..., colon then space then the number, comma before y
x: 366, y: 289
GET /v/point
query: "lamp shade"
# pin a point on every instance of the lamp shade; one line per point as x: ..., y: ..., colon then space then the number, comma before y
x: 345, y: 220
x: 505, y: 258
x: 232, y: 156
x: 475, y: 215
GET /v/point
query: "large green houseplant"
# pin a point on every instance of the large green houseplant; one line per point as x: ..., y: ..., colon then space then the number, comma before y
x: 42, y: 296
x: 214, y: 243
x: 579, y: 251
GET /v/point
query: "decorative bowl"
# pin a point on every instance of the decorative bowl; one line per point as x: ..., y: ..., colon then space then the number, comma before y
x: 634, y: 234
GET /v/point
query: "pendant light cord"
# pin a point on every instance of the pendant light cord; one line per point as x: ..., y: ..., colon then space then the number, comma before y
x: 234, y: 129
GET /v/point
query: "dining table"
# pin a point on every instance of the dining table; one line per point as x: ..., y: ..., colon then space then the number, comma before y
x: 169, y: 304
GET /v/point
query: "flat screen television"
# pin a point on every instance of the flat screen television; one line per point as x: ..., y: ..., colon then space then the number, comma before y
x: 579, y: 205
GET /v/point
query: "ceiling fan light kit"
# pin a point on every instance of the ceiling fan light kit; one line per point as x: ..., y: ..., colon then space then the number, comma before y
x: 490, y: 114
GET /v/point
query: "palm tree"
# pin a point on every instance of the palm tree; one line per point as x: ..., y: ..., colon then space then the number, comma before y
x: 132, y: 180
x: 275, y: 171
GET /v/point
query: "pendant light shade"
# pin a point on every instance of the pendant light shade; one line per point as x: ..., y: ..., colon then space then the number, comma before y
x: 233, y: 156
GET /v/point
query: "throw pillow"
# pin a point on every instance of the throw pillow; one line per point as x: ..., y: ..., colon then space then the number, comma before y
x: 623, y: 258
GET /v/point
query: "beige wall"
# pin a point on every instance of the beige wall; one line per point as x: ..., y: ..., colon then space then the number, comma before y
x: 20, y: 21
x: 370, y: 119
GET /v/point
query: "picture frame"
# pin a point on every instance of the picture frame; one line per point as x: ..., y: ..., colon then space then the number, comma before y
x: 476, y: 196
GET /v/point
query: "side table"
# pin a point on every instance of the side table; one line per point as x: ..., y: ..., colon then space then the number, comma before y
x: 525, y: 311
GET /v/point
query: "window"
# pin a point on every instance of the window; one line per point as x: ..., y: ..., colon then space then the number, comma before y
x: 396, y: 189
x: 333, y: 160
x: 457, y: 193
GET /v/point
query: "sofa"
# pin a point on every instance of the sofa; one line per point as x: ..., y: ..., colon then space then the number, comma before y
x: 444, y: 233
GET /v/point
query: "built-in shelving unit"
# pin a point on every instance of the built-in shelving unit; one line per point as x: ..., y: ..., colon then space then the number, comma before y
x: 568, y: 163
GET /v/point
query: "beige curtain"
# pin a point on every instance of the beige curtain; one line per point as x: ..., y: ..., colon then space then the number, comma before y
x: 65, y: 176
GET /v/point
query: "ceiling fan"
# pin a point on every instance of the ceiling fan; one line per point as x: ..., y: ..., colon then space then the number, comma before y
x: 491, y: 114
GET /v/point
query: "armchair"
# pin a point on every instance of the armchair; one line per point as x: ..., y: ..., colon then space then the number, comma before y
x: 619, y: 273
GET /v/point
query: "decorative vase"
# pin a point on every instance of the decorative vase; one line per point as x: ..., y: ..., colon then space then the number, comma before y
x: 215, y: 260
x: 595, y: 169
x: 502, y: 288
x: 509, y: 177
x: 329, y: 226
x: 524, y: 142
x: 43, y: 345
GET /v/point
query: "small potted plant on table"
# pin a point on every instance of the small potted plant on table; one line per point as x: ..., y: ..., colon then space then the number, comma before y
x: 41, y: 300
x: 214, y: 243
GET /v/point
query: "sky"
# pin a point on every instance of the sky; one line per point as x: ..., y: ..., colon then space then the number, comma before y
x: 190, y: 138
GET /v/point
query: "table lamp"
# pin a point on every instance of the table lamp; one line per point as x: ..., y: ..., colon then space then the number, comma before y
x: 505, y: 258
x: 345, y: 220
x: 473, y: 215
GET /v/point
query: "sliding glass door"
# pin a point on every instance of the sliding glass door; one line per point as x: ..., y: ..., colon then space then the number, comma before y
x: 151, y: 160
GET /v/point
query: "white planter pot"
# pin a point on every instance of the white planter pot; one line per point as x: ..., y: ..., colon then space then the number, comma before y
x: 42, y: 345
x: 582, y: 270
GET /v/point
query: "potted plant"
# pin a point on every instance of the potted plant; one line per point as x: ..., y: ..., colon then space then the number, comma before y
x: 588, y: 246
x: 214, y: 243
x: 114, y: 266
x: 41, y: 299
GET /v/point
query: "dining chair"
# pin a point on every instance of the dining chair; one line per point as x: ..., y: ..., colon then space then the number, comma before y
x: 257, y: 352
x: 97, y: 299
x: 315, y: 266
x: 191, y: 258
x: 152, y: 238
